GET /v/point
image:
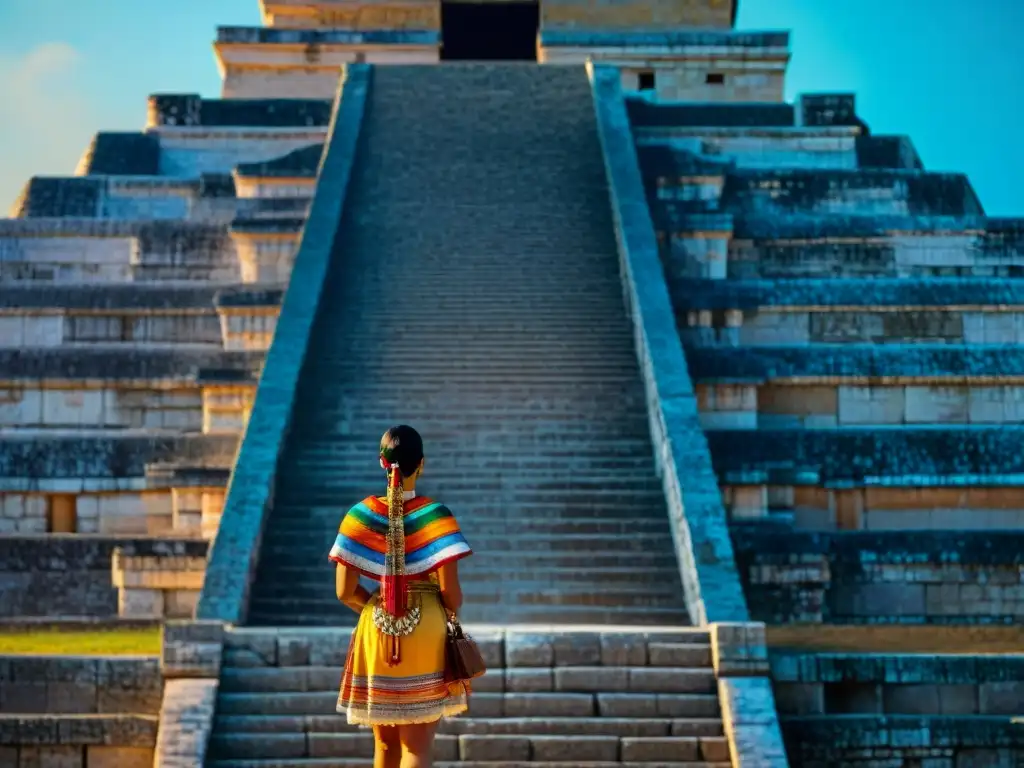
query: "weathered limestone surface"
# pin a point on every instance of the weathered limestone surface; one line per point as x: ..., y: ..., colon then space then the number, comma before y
x: 943, y: 742
x: 80, y: 685
x: 684, y: 64
x: 159, y: 579
x: 186, y: 717
x: 897, y: 684
x: 858, y: 577
x: 66, y: 575
x: 86, y: 463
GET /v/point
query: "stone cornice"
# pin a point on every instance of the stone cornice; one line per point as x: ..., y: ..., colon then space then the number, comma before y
x: 105, y: 456
x: 846, y: 363
x: 907, y: 456
x: 108, y: 364
x: 906, y: 293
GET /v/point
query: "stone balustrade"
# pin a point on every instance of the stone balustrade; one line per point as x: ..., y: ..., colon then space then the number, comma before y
x: 699, y: 523
x: 158, y: 579
x: 863, y: 577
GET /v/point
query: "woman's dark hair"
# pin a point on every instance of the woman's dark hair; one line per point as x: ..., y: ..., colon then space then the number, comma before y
x: 402, y: 446
x: 401, y: 451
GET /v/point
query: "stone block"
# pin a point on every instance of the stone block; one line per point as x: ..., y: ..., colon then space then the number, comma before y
x: 140, y: 603
x: 573, y: 649
x: 547, y: 705
x: 626, y: 705
x: 328, y: 649
x: 293, y: 650
x: 739, y: 649
x: 23, y: 697
x: 496, y: 748
x: 526, y: 680
x: 192, y: 649
x: 646, y: 750
x: 671, y: 680
x: 52, y: 757
x: 118, y: 757
x: 679, y: 655
x: 71, y: 698
x: 261, y: 643
x: 623, y: 649
x: 576, y: 749
x: 529, y: 650
x: 591, y: 679
x: 492, y: 646
x: 800, y: 698
x: 1001, y: 698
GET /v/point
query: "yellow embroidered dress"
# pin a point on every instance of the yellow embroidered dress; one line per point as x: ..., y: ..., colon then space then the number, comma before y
x: 378, y: 686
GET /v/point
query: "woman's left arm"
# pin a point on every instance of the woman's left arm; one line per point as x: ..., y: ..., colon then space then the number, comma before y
x: 349, y: 590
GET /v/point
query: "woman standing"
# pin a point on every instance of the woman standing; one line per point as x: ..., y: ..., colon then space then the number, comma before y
x: 394, y: 678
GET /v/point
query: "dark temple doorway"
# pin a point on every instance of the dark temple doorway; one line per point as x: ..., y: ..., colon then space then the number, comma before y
x: 489, y: 31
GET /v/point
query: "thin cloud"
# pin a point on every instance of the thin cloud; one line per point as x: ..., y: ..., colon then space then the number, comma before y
x: 46, y: 118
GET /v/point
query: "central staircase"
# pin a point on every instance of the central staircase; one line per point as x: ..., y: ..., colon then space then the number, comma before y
x: 474, y: 293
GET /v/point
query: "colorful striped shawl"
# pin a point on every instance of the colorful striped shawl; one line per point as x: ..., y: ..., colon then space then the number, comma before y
x: 432, y: 537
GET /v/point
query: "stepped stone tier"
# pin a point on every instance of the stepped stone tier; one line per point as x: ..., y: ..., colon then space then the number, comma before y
x: 696, y: 368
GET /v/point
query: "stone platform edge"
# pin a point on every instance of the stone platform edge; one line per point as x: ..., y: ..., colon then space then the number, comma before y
x: 235, y: 548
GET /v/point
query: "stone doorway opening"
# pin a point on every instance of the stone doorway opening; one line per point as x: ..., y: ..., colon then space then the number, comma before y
x: 489, y: 31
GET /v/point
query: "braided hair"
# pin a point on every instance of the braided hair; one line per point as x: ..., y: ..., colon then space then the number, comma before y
x: 401, y: 451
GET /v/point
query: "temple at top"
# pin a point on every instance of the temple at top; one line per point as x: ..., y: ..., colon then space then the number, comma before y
x: 725, y: 392
x: 679, y: 49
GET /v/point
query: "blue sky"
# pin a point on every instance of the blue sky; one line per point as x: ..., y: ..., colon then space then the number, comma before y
x: 950, y: 73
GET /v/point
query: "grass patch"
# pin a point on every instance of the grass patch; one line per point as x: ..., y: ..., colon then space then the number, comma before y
x: 79, y: 641
x: 894, y: 638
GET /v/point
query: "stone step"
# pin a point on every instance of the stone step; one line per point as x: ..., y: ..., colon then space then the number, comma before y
x: 497, y: 705
x: 598, y: 543
x: 298, y: 531
x: 272, y: 615
x: 299, y: 576
x: 508, y: 485
x: 525, y: 594
x: 584, y: 726
x: 660, y: 561
x: 297, y: 516
x: 317, y: 596
x: 535, y: 748
x: 697, y: 678
x: 358, y: 762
